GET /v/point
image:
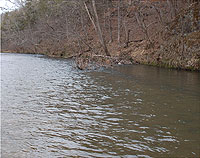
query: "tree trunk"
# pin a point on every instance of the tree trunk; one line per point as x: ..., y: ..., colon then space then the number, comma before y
x: 102, y: 40
x: 127, y: 33
x: 119, y: 22
x: 109, y: 23
x: 142, y: 24
x: 90, y: 17
x: 195, y: 15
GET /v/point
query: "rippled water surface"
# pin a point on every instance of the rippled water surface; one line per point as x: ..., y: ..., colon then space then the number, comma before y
x: 50, y: 109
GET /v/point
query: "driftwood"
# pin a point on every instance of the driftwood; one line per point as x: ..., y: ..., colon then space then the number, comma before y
x: 90, y: 61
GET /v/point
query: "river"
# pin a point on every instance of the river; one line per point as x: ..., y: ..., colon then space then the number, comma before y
x: 51, y: 109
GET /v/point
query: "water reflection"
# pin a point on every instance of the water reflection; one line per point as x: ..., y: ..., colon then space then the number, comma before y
x: 49, y: 109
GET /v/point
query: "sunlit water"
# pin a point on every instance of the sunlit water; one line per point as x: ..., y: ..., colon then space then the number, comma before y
x: 50, y: 109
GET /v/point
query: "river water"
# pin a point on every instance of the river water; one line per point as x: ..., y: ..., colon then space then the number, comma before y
x: 51, y: 109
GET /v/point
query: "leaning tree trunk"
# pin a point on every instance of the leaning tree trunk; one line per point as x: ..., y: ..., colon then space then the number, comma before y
x: 102, y: 40
x: 119, y: 22
x: 97, y: 26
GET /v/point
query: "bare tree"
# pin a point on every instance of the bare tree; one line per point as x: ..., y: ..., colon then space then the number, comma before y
x: 119, y: 22
x: 142, y: 24
x: 97, y: 26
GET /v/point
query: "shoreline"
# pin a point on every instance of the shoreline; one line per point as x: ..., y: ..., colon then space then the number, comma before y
x: 108, y: 64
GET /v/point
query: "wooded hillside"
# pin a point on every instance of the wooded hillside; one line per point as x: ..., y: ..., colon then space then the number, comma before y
x: 155, y: 32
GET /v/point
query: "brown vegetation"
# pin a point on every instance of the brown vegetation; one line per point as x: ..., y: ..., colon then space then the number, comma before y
x: 107, y: 32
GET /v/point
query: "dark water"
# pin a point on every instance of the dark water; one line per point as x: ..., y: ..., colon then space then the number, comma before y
x: 50, y: 109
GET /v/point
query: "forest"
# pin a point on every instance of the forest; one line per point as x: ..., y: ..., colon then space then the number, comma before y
x: 163, y: 33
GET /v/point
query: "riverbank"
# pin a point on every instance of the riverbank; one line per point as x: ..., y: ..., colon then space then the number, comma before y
x: 178, y: 52
x: 150, y: 33
x: 174, y: 55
